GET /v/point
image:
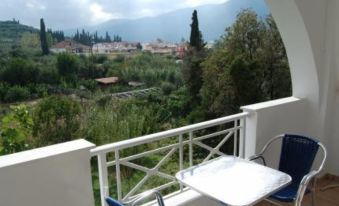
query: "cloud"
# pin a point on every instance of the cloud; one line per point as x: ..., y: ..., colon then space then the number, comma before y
x: 98, y: 14
x: 65, y: 14
x: 35, y: 5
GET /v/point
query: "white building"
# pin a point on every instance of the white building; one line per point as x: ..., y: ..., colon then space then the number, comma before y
x: 160, y: 47
x: 114, y: 47
x: 60, y: 175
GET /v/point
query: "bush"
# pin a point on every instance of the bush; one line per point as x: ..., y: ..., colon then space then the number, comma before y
x: 20, y: 72
x: 15, y: 130
x: 167, y: 88
x: 56, y: 119
x: 17, y: 93
x: 3, y: 90
x: 68, y: 66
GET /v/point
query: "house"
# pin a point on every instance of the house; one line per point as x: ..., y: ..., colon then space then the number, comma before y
x: 61, y: 173
x: 107, y: 80
x: 160, y: 47
x: 114, y: 47
x: 70, y: 46
x: 181, y: 50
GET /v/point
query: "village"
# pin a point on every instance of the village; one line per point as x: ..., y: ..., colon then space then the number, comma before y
x: 123, y: 47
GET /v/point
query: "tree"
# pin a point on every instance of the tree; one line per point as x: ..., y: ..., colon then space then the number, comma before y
x: 43, y: 38
x: 277, y: 73
x: 196, y: 40
x: 107, y: 37
x: 56, y: 119
x: 192, y: 71
x: 247, y: 65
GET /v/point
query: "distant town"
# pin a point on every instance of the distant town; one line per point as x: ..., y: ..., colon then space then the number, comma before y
x: 121, y: 47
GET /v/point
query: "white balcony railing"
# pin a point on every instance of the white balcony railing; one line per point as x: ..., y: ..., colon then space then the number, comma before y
x: 202, y: 135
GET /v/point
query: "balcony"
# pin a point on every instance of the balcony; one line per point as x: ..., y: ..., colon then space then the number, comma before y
x: 62, y: 174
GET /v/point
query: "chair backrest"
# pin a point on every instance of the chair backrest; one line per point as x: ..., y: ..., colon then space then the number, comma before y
x: 297, y: 156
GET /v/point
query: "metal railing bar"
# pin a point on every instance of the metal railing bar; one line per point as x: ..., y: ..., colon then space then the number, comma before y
x: 216, y: 133
x: 161, y: 135
x: 217, y: 148
x: 200, y: 144
x: 137, y: 156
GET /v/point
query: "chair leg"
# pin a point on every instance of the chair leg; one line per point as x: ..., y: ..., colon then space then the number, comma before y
x: 312, y: 198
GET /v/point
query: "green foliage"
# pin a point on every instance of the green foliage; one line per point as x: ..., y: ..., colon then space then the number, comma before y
x: 192, y: 70
x: 192, y: 73
x: 119, y: 120
x: 68, y: 66
x: 16, y: 128
x: 248, y: 65
x: 196, y: 40
x: 20, y: 72
x: 43, y: 38
x: 56, y: 119
x: 147, y: 68
x: 17, y: 93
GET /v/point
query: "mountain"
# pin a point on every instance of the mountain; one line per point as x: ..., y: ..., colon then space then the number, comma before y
x: 173, y: 26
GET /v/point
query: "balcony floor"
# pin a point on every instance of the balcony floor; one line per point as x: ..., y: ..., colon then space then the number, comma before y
x: 329, y: 197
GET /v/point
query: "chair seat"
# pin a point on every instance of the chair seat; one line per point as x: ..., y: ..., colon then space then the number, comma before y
x: 113, y: 202
x: 287, y: 194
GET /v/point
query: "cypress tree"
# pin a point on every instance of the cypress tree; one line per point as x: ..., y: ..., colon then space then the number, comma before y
x: 43, y: 38
x: 196, y: 40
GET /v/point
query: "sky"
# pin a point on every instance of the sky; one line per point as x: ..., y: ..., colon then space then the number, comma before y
x: 68, y: 14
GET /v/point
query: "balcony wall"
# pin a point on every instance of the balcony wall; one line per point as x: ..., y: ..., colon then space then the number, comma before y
x: 54, y: 176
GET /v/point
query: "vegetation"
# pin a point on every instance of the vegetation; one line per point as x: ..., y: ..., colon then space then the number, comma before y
x: 89, y: 39
x: 192, y: 70
x: 248, y: 64
x: 16, y: 129
x: 43, y: 38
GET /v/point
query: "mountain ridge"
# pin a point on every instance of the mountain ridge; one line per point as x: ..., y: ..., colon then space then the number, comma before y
x: 177, y: 23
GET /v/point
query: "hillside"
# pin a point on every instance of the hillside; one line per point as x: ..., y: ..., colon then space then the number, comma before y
x: 175, y: 25
x: 13, y: 30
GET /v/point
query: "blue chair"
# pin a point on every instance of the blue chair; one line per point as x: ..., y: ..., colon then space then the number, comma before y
x: 137, y: 199
x: 296, y: 159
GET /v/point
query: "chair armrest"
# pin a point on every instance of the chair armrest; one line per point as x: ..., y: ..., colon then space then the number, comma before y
x: 138, y: 198
x: 259, y: 156
x: 303, y: 185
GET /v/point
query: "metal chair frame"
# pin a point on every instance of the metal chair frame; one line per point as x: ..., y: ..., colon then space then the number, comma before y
x: 135, y: 200
x: 308, y: 179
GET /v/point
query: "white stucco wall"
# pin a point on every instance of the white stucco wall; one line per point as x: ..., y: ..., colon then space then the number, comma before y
x: 54, y: 176
x: 310, y: 31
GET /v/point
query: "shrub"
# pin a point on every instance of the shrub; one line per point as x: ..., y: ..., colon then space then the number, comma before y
x: 20, y: 72
x: 17, y: 93
x: 16, y: 129
x: 56, y: 119
x: 167, y: 88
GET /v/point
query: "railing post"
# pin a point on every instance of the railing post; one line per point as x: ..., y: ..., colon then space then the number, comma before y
x: 235, y: 139
x: 118, y: 175
x: 103, y: 178
x: 181, y: 157
x: 191, y: 148
x: 242, y: 137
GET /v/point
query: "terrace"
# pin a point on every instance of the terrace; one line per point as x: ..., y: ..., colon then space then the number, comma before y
x: 62, y: 175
